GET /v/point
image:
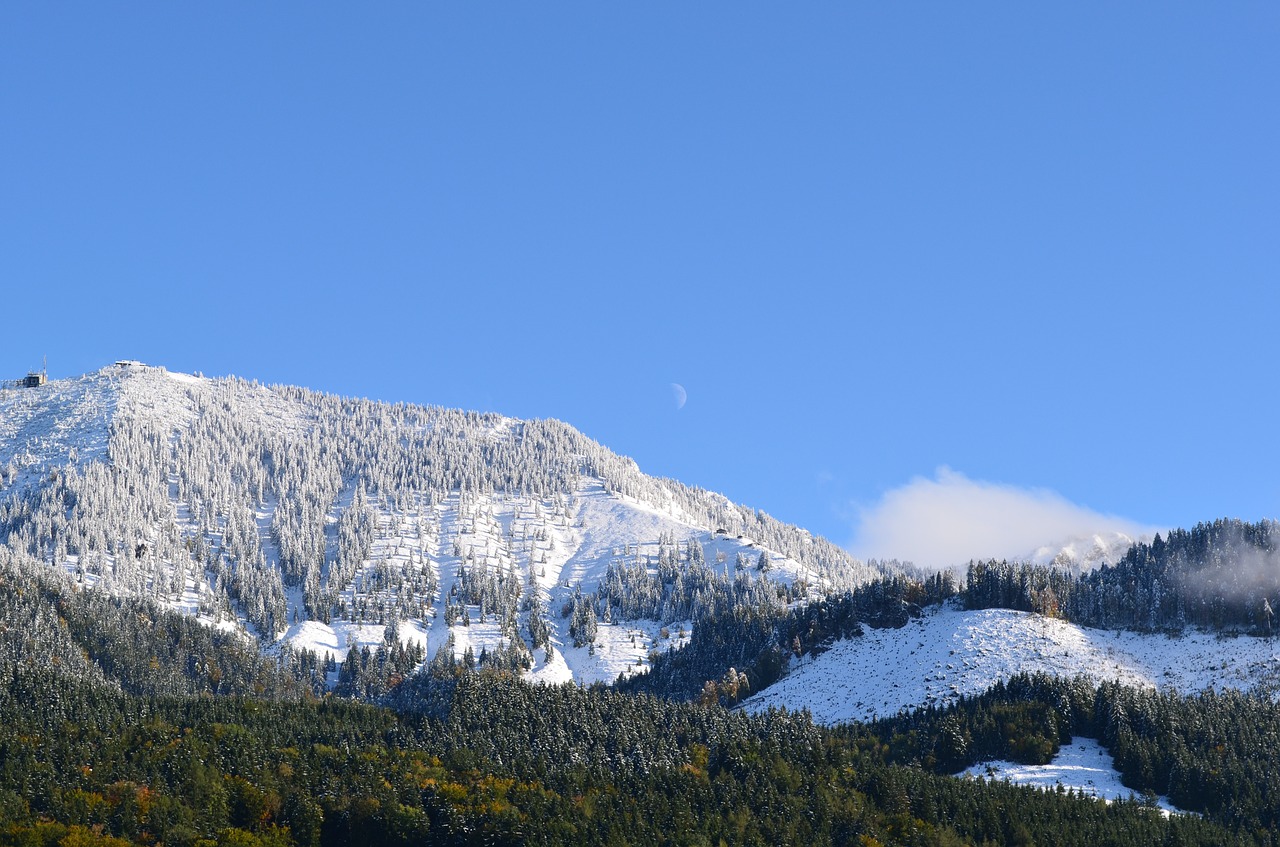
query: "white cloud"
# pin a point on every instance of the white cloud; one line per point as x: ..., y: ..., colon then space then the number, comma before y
x: 952, y: 519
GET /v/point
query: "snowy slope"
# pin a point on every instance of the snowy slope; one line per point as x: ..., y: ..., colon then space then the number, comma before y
x: 948, y: 653
x: 227, y: 499
x: 62, y: 423
x: 558, y: 548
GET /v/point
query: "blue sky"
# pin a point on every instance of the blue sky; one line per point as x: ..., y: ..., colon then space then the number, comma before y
x: 1031, y: 246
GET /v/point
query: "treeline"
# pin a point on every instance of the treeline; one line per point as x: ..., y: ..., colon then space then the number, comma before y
x: 1211, y: 753
x: 679, y: 584
x: 494, y: 761
x: 1219, y: 575
x: 47, y: 621
x: 372, y: 674
x: 743, y: 648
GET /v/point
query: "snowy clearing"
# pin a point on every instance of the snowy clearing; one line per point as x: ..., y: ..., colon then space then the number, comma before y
x: 949, y: 653
x: 1083, y: 766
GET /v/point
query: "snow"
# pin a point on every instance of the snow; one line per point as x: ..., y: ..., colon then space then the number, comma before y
x: 64, y: 422
x: 622, y: 649
x: 148, y: 394
x: 948, y: 653
x: 614, y: 654
x: 336, y: 638
x: 318, y: 637
x: 1083, y: 766
x: 186, y: 379
x: 549, y: 668
x: 616, y: 527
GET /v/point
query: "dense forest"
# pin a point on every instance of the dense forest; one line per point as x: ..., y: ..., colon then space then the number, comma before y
x: 491, y: 760
x: 133, y: 643
x: 1212, y: 753
x: 1219, y: 575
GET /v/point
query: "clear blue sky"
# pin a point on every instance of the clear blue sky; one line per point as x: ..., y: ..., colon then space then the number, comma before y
x: 1037, y: 245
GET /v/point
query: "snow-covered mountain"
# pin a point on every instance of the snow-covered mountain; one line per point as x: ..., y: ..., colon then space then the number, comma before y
x: 321, y: 523
x: 315, y: 521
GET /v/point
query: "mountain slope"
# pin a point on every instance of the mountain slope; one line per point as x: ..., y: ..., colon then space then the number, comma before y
x: 948, y: 653
x: 318, y: 521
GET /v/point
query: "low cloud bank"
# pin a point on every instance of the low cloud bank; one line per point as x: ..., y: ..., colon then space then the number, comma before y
x: 951, y: 519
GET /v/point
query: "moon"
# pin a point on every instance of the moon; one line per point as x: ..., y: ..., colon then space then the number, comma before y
x: 681, y: 396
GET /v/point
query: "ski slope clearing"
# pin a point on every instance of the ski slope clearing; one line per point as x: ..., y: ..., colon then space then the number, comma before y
x: 949, y: 653
x: 1083, y: 766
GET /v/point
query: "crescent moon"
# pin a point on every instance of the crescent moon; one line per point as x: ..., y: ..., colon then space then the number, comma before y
x: 682, y: 396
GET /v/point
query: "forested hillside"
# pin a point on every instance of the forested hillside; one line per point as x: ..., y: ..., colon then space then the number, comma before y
x: 318, y: 521
x: 94, y: 745
x: 1216, y: 581
x: 50, y: 624
x: 501, y: 762
x: 741, y: 650
x: 1219, y: 575
x: 1211, y: 753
